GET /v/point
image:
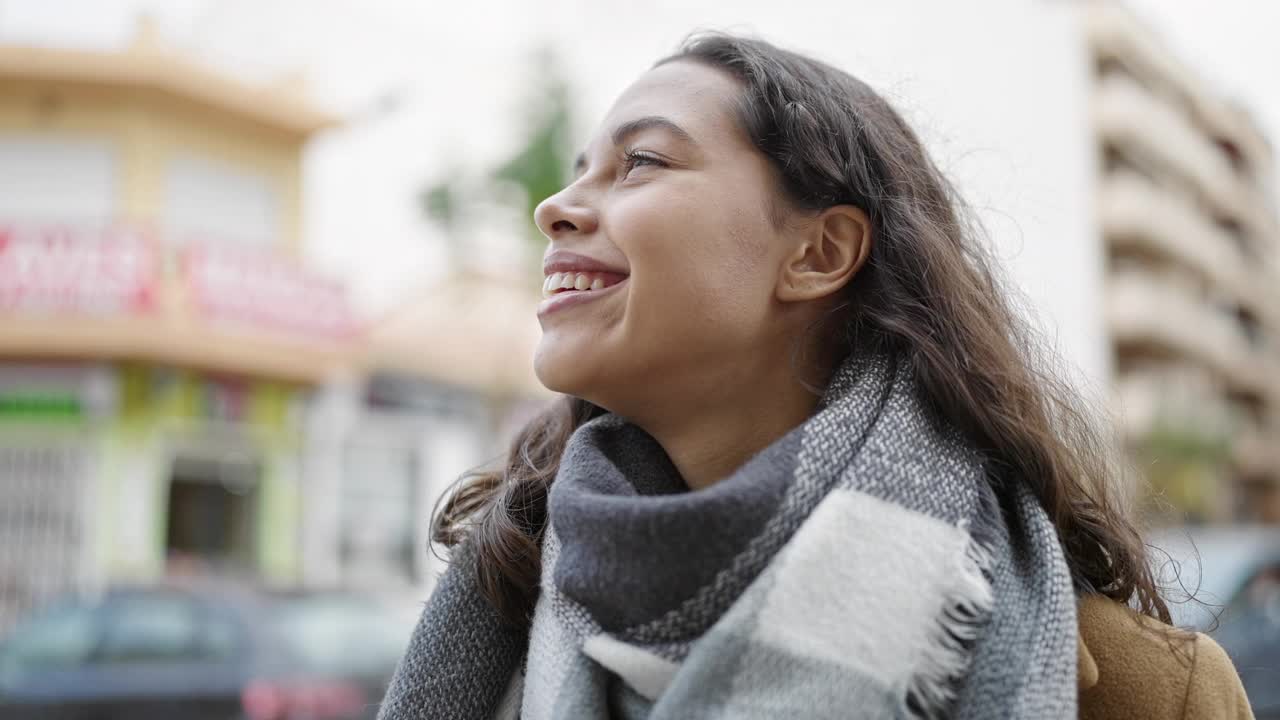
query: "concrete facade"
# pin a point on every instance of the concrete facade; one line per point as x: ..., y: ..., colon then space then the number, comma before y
x: 1186, y: 206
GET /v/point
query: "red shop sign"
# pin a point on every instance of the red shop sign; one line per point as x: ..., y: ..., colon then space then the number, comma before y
x: 260, y: 289
x: 73, y: 269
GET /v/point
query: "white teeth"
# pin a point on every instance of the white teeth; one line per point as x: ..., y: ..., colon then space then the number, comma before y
x: 571, y: 281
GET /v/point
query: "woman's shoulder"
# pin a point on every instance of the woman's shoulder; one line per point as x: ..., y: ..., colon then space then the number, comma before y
x: 1132, y: 665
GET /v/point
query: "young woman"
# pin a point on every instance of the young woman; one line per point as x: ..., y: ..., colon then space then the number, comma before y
x: 806, y: 464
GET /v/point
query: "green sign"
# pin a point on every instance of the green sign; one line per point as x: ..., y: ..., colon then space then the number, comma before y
x: 39, y: 406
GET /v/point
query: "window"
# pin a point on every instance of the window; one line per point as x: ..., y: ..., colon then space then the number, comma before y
x: 163, y: 628
x: 1249, y: 409
x: 1250, y: 633
x: 1104, y: 65
x: 216, y: 202
x: 60, y: 638
x: 47, y: 177
x: 1249, y: 326
x: 222, y: 635
x: 148, y: 629
x: 341, y: 635
x: 1231, y: 152
x: 1235, y: 233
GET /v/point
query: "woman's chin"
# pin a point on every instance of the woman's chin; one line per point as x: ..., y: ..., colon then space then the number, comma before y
x: 559, y: 369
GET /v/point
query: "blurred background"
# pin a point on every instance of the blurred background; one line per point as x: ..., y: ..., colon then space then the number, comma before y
x: 268, y: 278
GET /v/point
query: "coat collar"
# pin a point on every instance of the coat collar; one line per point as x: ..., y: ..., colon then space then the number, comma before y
x: 1087, y: 673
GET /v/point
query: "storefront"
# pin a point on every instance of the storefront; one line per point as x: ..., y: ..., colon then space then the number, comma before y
x: 151, y: 411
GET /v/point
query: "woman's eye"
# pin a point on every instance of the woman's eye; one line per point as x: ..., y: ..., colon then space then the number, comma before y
x: 635, y: 158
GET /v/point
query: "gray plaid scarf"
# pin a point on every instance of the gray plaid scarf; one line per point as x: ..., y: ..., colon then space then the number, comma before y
x: 861, y: 566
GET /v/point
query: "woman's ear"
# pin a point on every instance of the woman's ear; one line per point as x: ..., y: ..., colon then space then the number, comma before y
x: 832, y: 248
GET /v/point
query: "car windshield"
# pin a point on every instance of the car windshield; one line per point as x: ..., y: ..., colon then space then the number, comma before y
x: 1201, y: 570
x: 59, y: 638
x: 340, y: 635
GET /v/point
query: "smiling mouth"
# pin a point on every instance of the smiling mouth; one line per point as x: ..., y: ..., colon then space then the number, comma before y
x: 579, y: 282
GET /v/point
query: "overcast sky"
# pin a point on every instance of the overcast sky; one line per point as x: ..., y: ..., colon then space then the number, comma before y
x: 395, y: 67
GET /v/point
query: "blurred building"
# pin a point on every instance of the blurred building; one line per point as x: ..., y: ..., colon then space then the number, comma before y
x: 1188, y: 216
x: 159, y: 336
x: 445, y: 381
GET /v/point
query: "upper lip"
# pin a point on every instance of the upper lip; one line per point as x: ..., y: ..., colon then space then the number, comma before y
x: 565, y: 261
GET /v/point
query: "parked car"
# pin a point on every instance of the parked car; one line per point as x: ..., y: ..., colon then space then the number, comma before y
x: 201, y: 654
x: 1226, y: 582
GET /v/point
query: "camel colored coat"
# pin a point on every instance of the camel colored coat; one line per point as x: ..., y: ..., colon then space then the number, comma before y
x: 1130, y: 668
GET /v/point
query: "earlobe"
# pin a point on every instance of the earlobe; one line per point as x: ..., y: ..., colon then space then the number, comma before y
x: 836, y: 245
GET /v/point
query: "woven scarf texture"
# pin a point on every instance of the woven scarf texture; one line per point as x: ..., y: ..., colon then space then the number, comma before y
x: 863, y: 565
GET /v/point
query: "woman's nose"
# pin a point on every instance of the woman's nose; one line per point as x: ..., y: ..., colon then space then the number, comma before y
x: 561, y: 214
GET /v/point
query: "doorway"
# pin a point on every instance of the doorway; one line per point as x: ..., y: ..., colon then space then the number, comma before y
x: 212, y: 512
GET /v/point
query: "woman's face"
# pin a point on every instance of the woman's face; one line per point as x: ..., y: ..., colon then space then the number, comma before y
x: 668, y: 221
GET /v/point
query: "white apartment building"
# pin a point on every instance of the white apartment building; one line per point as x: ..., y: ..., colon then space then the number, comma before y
x: 1186, y: 206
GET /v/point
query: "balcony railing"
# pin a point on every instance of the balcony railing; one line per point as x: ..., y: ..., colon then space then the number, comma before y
x: 1135, y: 213
x: 1147, y: 311
x: 1128, y: 116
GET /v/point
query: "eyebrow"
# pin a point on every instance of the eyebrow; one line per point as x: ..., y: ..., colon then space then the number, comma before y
x: 632, y: 127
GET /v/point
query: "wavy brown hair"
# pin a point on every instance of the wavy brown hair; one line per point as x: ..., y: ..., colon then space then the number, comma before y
x: 929, y: 294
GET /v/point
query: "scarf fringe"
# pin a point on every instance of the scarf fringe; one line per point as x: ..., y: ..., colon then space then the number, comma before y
x: 967, y: 608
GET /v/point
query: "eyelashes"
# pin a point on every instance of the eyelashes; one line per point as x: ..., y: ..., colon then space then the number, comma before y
x: 631, y: 159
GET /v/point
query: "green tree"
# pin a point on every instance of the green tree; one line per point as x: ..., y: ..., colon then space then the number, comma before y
x: 536, y: 170
x: 1184, y: 467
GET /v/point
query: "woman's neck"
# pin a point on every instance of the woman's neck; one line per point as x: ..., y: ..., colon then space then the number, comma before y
x: 716, y: 432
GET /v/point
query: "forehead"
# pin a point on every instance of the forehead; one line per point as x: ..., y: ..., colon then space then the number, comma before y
x: 696, y: 97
